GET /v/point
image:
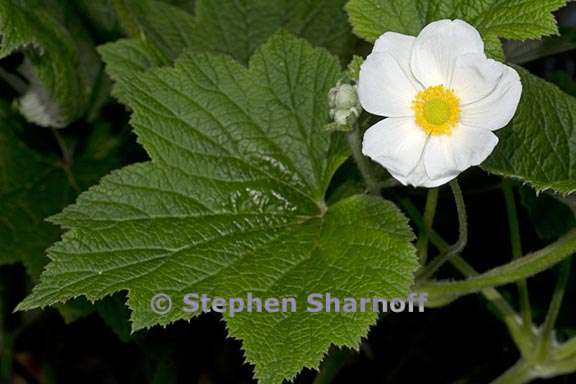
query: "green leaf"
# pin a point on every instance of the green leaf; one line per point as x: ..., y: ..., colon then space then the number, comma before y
x: 233, y: 202
x: 539, y: 145
x: 61, y: 69
x: 237, y: 28
x: 101, y: 15
x: 127, y: 57
x: 33, y: 187
x: 227, y: 27
x: 511, y: 19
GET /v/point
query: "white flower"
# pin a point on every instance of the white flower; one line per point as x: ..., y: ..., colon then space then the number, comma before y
x: 443, y: 98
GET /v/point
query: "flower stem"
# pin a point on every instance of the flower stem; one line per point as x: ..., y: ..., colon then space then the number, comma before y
x: 547, y: 329
x: 455, y: 249
x: 519, y: 373
x: 516, y: 244
x: 566, y: 350
x: 506, y: 312
x: 67, y: 160
x: 521, y: 268
x: 355, y: 142
x: 429, y: 213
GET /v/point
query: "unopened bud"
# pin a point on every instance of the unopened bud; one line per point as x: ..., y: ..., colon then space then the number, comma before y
x: 344, y: 106
x: 343, y: 96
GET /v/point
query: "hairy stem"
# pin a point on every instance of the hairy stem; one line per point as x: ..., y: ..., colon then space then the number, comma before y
x: 519, y: 373
x: 455, y: 249
x: 14, y: 81
x: 429, y: 213
x: 516, y: 244
x: 355, y: 143
x: 67, y: 160
x: 506, y: 312
x: 521, y: 268
x: 546, y: 332
x: 566, y: 350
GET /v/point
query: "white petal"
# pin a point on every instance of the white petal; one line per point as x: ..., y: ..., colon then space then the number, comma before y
x: 475, y: 77
x: 386, y: 86
x: 471, y: 146
x: 438, y: 46
x: 395, y: 143
x: 447, y: 155
x: 419, y: 178
x: 397, y: 44
x: 497, y: 109
x: 400, y: 47
x: 438, y: 157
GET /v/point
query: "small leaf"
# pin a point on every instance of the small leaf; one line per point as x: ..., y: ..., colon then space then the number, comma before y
x: 233, y: 202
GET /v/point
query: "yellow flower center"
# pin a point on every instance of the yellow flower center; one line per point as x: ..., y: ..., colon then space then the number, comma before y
x: 437, y: 110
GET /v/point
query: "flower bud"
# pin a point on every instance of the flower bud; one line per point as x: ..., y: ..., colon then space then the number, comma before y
x: 343, y: 96
x: 344, y: 106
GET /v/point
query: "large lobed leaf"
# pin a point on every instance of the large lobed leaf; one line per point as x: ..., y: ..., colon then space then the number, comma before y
x: 233, y: 202
x: 237, y: 28
x: 229, y: 27
x: 512, y: 19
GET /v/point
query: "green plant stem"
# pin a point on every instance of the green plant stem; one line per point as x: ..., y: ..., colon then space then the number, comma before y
x: 429, y: 213
x: 96, y: 94
x: 14, y: 81
x: 516, y: 244
x: 355, y: 142
x: 566, y: 350
x: 506, y: 312
x: 455, y: 249
x: 67, y: 160
x: 519, y: 334
x: 414, y: 214
x: 521, y: 268
x: 519, y: 373
x: 546, y: 332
